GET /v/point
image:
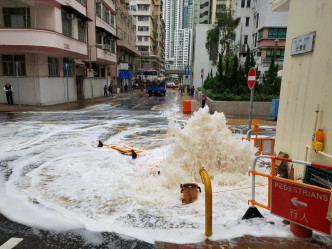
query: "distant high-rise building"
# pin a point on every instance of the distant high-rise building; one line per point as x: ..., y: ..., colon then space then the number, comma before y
x: 178, y: 18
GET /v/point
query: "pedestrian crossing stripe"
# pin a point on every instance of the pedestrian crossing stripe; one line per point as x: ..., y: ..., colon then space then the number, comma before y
x: 11, y: 243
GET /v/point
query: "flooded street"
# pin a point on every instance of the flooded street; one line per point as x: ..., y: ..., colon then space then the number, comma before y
x: 55, y: 177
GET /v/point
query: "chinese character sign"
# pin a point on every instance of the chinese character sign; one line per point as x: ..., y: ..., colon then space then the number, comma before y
x: 303, y: 44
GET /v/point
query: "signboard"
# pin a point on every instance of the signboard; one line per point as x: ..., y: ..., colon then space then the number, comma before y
x: 304, y: 205
x: 186, y: 70
x: 303, y: 44
x: 123, y: 66
x: 125, y: 74
x: 90, y: 73
x: 251, y: 78
x: 186, y: 80
x: 202, y: 73
x: 66, y: 65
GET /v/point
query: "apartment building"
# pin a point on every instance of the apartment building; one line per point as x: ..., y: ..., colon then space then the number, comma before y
x: 204, y: 17
x: 262, y: 30
x: 178, y: 20
x: 149, y: 37
x: 47, y: 46
x: 127, y: 53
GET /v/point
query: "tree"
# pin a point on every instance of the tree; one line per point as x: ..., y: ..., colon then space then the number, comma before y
x: 271, y: 80
x: 223, y: 34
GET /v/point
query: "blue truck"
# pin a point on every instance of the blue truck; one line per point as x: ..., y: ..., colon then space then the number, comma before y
x: 156, y: 86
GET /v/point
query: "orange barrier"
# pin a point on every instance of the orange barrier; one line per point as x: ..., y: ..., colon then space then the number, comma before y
x: 273, y: 174
x: 187, y: 106
x: 259, y: 143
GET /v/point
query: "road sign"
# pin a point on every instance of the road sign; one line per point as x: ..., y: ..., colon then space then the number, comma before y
x: 186, y: 80
x: 304, y: 205
x: 202, y: 73
x: 186, y: 70
x: 66, y: 65
x: 125, y: 74
x: 251, y: 77
x: 90, y: 73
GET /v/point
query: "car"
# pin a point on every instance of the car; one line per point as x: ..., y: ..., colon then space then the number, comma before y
x: 171, y: 85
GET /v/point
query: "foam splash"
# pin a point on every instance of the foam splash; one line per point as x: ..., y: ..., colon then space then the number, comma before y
x: 207, y: 142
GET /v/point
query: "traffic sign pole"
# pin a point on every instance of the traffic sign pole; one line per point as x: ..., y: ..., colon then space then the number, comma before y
x: 251, y: 85
x: 202, y: 76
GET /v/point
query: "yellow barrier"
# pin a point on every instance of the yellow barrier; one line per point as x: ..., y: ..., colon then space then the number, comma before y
x: 208, y: 202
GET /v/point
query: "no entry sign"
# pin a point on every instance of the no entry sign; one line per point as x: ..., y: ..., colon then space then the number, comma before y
x: 251, y: 77
x: 301, y: 204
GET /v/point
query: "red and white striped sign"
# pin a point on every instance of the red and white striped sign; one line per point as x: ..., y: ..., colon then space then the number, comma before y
x: 202, y: 73
x: 251, y: 78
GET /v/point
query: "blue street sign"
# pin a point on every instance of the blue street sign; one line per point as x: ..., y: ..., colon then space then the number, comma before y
x: 186, y: 70
x: 66, y: 66
x: 125, y: 74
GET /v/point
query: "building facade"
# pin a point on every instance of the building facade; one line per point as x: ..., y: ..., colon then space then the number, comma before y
x: 305, y: 101
x: 47, y: 46
x: 178, y: 23
x: 262, y: 30
x: 149, y: 36
x: 204, y: 17
x: 127, y: 54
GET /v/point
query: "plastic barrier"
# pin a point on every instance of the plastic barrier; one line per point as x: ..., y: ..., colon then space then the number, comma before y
x: 187, y: 106
x: 293, y: 187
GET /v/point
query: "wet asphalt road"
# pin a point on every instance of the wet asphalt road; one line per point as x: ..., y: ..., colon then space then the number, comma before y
x: 34, y: 238
x: 138, y: 106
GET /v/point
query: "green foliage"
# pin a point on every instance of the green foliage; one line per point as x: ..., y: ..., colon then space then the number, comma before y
x: 230, y: 81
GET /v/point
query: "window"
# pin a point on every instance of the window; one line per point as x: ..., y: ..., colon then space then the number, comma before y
x: 112, y: 20
x: 277, y: 32
x: 16, y: 17
x: 245, y: 39
x: 81, y: 31
x: 143, y: 7
x: 132, y: 7
x: 247, y: 21
x: 139, y: 38
x: 243, y: 2
x: 53, y: 67
x: 66, y: 24
x: 9, y: 65
x: 98, y: 9
x: 82, y: 2
x: 280, y: 53
x: 257, y: 19
x: 143, y: 28
x: 71, y: 67
x: 260, y: 34
x: 105, y: 15
x: 143, y: 18
x: 248, y: 3
x: 113, y: 46
x: 99, y: 37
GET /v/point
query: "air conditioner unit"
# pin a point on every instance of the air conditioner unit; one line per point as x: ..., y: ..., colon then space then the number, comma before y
x: 107, y: 47
x: 70, y: 16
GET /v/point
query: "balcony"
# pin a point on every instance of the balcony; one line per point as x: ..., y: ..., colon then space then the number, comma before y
x: 28, y: 39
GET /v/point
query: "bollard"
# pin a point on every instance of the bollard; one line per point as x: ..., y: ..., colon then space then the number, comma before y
x: 300, y: 231
x: 187, y: 106
x: 208, y: 202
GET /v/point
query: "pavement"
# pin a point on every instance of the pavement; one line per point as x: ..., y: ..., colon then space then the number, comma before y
x: 241, y: 242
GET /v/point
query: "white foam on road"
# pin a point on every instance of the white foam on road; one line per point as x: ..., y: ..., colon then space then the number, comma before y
x: 61, y: 180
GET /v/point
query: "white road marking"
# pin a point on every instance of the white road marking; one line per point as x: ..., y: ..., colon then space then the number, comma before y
x: 11, y: 243
x: 140, y: 104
